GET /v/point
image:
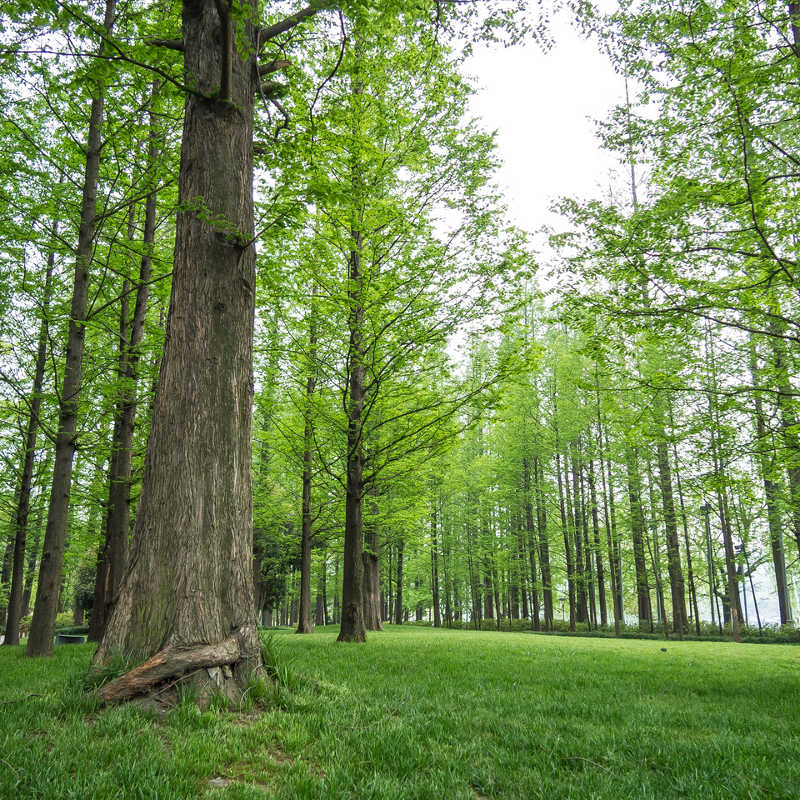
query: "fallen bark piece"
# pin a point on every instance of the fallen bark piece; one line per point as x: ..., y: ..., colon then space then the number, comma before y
x: 169, y: 663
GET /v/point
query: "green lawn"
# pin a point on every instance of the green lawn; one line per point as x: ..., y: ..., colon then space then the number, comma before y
x: 419, y: 713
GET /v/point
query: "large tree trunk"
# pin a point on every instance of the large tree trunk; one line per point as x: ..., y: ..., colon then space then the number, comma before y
x: 40, y: 640
x: 26, y: 480
x: 189, y: 586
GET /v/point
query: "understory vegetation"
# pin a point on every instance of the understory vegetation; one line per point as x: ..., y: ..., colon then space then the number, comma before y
x: 425, y: 713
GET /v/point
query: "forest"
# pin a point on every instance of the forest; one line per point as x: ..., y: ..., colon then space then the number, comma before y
x: 273, y: 357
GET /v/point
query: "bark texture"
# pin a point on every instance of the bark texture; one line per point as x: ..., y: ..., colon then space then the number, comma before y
x: 190, y: 576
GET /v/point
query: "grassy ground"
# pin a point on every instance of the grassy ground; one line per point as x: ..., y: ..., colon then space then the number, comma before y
x: 421, y: 713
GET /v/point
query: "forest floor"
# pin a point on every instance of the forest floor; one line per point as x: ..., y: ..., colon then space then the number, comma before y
x: 424, y: 713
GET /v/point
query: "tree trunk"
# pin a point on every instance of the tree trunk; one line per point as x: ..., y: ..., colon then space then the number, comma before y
x: 637, y: 532
x: 598, y: 555
x: 573, y: 513
x: 26, y: 480
x: 352, y: 627
x: 189, y: 584
x: 567, y: 544
x: 771, y: 494
x: 789, y: 424
x: 722, y: 496
x: 437, y: 620
x: 531, y: 535
x: 689, y: 566
x: 40, y: 640
x: 33, y: 558
x: 398, y: 598
x: 372, y: 568
x: 674, y: 568
x: 112, y: 564
x: 304, y: 622
x: 544, y: 547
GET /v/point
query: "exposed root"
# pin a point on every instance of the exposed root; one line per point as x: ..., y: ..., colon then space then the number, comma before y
x: 168, y: 665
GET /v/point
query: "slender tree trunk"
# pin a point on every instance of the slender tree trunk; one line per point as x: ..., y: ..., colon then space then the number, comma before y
x: 587, y: 546
x: 437, y: 620
x: 531, y: 537
x: 189, y: 586
x: 789, y: 424
x: 352, y: 627
x: 689, y: 566
x: 544, y: 547
x: 114, y: 551
x: 398, y: 601
x: 573, y: 512
x: 337, y: 616
x: 40, y: 640
x: 771, y: 494
x: 674, y: 568
x: 722, y: 497
x: 304, y: 619
x: 33, y: 558
x: 26, y: 479
x: 567, y: 543
x: 372, y: 568
x: 637, y: 533
x: 5, y: 573
x: 598, y: 555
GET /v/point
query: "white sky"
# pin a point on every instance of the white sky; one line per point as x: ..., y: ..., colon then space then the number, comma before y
x: 543, y: 105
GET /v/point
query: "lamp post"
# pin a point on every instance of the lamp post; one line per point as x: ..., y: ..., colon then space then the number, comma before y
x: 706, y: 509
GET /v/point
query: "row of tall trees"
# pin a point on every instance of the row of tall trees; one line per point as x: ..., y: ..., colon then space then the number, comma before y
x: 376, y: 219
x: 624, y: 450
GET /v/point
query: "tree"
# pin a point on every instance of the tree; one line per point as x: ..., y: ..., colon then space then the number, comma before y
x: 187, y: 601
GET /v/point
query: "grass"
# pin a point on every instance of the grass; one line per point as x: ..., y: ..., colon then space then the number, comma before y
x: 423, y: 713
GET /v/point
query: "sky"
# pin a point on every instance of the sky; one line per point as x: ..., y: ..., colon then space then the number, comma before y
x: 543, y: 106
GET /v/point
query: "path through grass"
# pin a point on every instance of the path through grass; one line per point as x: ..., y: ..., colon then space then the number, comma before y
x: 421, y: 713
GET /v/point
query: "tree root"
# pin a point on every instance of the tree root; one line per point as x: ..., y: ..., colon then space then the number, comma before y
x: 170, y: 663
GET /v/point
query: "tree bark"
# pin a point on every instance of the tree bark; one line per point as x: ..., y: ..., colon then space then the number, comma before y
x: 190, y: 576
x: 40, y: 640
